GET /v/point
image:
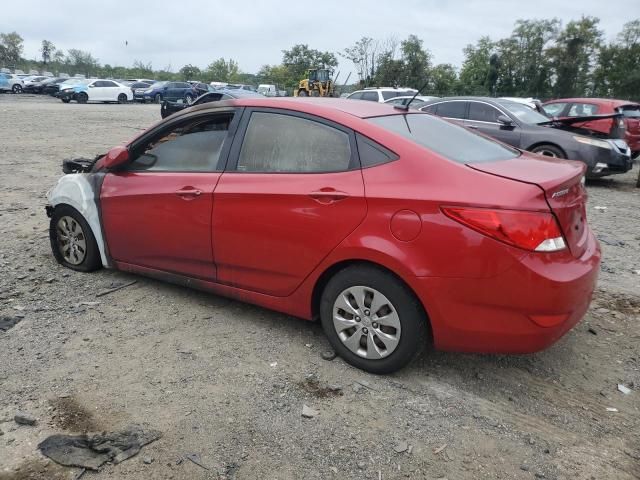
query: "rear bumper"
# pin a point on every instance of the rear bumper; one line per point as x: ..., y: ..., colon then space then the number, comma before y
x: 523, y: 310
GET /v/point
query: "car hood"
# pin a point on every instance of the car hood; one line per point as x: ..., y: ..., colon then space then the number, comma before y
x: 573, y: 120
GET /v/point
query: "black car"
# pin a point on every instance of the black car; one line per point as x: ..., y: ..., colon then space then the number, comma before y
x: 169, y: 108
x: 53, y: 87
x: 138, y: 89
x: 524, y: 128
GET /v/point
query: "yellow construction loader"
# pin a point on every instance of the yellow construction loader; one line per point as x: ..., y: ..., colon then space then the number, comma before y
x: 317, y: 84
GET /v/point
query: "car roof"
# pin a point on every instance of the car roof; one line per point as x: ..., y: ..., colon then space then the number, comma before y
x: 315, y: 106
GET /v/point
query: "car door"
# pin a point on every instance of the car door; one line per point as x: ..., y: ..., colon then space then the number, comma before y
x: 111, y: 91
x: 292, y: 192
x: 484, y: 118
x: 96, y: 91
x: 156, y: 211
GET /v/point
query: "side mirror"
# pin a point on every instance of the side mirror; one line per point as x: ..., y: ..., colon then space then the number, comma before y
x: 504, y: 120
x: 116, y: 156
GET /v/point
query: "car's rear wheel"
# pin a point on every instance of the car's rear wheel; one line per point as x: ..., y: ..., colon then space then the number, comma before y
x: 157, y: 98
x: 82, y: 97
x: 65, y: 100
x: 372, y: 319
x: 303, y: 93
x: 72, y: 240
x: 17, y: 88
x: 549, y: 151
x: 188, y: 98
x: 122, y: 98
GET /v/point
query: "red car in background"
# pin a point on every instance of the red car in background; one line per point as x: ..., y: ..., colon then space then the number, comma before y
x: 626, y: 127
x: 395, y: 228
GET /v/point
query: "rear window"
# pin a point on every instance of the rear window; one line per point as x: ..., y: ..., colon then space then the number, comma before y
x: 631, y: 111
x: 451, y: 141
x: 387, y: 94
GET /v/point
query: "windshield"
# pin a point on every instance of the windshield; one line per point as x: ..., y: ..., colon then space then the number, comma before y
x: 524, y: 113
x: 451, y: 141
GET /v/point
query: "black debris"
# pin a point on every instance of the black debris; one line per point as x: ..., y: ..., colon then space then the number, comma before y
x: 93, y: 450
x: 7, y: 322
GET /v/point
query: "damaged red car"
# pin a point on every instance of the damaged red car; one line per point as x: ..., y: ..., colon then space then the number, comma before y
x: 395, y: 228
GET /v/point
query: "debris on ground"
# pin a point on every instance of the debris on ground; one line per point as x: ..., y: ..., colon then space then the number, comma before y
x: 93, y: 450
x: 440, y: 449
x: 624, y: 389
x: 308, y: 412
x: 7, y: 322
x: 592, y: 331
x: 115, y: 289
x: 195, y: 458
x: 612, y: 409
x: 328, y: 355
x: 599, y: 208
x: 22, y: 418
x: 401, y: 447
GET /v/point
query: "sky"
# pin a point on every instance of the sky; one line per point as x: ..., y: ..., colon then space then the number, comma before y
x: 173, y: 34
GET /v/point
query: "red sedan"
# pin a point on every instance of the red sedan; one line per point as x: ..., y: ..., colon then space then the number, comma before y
x: 627, y: 127
x: 395, y: 228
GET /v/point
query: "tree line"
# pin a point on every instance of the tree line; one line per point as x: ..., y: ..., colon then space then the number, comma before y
x: 541, y: 58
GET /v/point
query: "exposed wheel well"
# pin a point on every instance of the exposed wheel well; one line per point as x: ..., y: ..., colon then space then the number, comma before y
x: 531, y: 147
x: 333, y: 269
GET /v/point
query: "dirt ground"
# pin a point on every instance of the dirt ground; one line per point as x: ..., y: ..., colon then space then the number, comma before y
x: 228, y: 381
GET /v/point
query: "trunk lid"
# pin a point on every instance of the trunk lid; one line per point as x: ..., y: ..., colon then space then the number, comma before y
x: 561, y: 181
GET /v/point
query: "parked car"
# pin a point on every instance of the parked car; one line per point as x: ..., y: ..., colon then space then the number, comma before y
x: 171, y: 91
x: 240, y: 86
x: 95, y: 90
x: 270, y: 90
x: 519, y: 125
x: 53, y: 87
x: 10, y: 83
x: 381, y: 95
x: 201, y: 88
x: 37, y: 86
x: 627, y: 126
x: 138, y: 89
x: 356, y: 219
x: 417, y: 102
x: 169, y: 108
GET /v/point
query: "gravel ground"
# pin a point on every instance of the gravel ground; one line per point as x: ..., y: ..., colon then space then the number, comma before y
x: 228, y: 381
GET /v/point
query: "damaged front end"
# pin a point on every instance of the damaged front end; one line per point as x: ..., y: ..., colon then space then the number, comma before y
x: 79, y: 165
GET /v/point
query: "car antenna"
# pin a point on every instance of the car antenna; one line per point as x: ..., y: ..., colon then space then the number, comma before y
x: 406, y: 107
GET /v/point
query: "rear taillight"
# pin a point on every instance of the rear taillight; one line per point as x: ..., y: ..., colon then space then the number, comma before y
x: 534, y: 231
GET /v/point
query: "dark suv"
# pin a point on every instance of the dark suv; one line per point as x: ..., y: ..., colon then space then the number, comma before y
x: 171, y: 91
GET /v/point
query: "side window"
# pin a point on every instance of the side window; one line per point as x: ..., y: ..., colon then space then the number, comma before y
x: 482, y: 112
x: 451, y: 109
x: 430, y: 109
x: 107, y: 83
x: 554, y: 109
x: 194, y: 146
x: 370, y: 96
x: 582, y: 109
x: 95, y: 84
x: 372, y: 153
x: 355, y: 96
x: 284, y: 143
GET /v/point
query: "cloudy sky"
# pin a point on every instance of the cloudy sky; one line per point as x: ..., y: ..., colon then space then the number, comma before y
x: 175, y: 33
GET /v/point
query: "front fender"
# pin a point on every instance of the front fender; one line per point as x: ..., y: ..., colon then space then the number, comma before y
x: 82, y: 192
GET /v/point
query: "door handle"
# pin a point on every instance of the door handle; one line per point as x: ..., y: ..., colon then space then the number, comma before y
x: 188, y: 193
x: 472, y: 126
x: 328, y: 195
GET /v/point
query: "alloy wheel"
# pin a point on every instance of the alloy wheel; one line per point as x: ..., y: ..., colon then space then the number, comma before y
x: 72, y: 242
x: 366, y: 322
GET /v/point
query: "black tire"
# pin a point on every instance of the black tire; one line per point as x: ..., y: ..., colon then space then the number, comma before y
x: 548, y: 150
x: 82, y: 97
x: 302, y: 93
x: 188, y: 98
x: 66, y: 100
x: 122, y: 98
x: 414, y: 334
x: 17, y: 88
x: 91, y: 260
x: 157, y: 98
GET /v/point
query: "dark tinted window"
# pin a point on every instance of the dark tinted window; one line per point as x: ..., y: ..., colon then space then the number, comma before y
x: 284, y: 143
x: 108, y: 83
x: 387, y: 94
x: 451, y: 109
x: 372, y: 153
x: 355, y: 96
x: 430, y: 109
x: 483, y: 112
x: 191, y: 147
x: 451, y: 141
x: 370, y: 96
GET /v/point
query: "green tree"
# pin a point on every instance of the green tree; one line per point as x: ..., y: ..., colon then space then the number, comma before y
x: 223, y: 71
x: 475, y: 67
x: 416, y: 60
x: 444, y: 80
x: 573, y: 57
x: 190, y: 72
x: 48, y: 51
x: 81, y: 61
x: 300, y: 58
x: 361, y: 54
x: 617, y: 73
x: 11, y: 47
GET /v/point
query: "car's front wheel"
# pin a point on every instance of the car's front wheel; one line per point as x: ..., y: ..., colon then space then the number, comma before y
x: 17, y: 88
x: 65, y: 100
x: 82, y: 97
x: 157, y: 98
x: 549, y: 151
x: 188, y: 98
x: 122, y: 98
x: 72, y: 240
x: 372, y: 319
